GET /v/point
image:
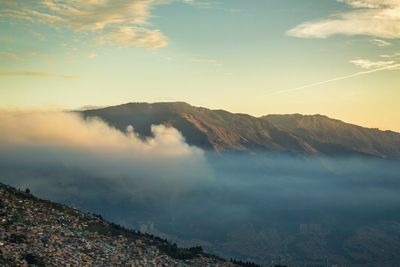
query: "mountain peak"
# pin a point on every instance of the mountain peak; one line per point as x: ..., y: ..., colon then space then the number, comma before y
x: 220, y: 130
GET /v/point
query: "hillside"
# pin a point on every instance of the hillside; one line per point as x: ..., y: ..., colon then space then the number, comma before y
x: 334, y: 136
x: 220, y: 130
x: 37, y: 232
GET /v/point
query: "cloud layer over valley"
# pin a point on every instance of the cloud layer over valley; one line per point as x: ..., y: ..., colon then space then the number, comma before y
x: 59, y: 148
x: 263, y: 207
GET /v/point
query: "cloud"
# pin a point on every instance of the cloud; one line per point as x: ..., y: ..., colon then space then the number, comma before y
x: 8, y: 55
x: 4, y: 73
x: 128, y: 20
x: 395, y: 55
x: 378, y: 18
x: 215, y: 5
x: 72, y: 150
x: 134, y: 37
x: 223, y: 201
x: 39, y: 36
x: 368, y: 64
x: 381, y: 43
x: 209, y: 61
x: 370, y: 3
x: 92, y: 55
x: 260, y: 201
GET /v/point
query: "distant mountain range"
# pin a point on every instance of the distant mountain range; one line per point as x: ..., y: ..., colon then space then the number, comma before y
x: 220, y: 130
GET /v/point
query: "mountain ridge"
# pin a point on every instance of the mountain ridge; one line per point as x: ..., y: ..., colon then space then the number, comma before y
x: 183, y: 103
x: 220, y: 130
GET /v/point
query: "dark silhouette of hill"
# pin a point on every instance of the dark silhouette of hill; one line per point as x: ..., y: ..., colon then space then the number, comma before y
x: 220, y: 130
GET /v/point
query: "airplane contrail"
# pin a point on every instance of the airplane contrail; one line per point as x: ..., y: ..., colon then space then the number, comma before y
x: 391, y: 67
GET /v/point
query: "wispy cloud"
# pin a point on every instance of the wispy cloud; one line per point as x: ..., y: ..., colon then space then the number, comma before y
x: 369, y: 64
x: 4, y: 73
x: 92, y: 55
x: 366, y: 65
x: 10, y: 56
x: 215, y: 5
x: 39, y: 36
x: 209, y: 61
x: 134, y: 37
x: 378, y: 18
x: 395, y: 55
x: 381, y: 43
x: 128, y: 21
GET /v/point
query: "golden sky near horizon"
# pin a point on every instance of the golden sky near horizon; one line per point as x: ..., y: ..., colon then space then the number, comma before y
x: 340, y: 58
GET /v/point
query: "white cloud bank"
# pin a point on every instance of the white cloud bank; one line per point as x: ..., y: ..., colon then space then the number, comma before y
x: 59, y: 149
x: 378, y: 18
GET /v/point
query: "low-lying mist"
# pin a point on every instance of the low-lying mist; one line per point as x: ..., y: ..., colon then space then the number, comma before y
x: 61, y: 151
x: 269, y: 208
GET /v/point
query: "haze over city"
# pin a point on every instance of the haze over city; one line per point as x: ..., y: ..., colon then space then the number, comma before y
x: 200, y: 133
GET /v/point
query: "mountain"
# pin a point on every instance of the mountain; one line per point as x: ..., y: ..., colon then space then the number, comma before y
x: 330, y: 136
x: 36, y: 232
x: 220, y: 130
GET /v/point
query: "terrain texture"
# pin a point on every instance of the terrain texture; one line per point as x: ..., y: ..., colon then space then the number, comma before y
x: 35, y: 232
x: 220, y: 130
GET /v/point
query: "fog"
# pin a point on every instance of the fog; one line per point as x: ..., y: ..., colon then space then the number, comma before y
x: 56, y: 152
x: 269, y: 208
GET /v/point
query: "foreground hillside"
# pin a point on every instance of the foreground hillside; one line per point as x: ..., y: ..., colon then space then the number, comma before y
x: 36, y: 232
x: 220, y: 130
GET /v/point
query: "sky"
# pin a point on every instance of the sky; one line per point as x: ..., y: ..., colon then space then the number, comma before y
x: 340, y: 58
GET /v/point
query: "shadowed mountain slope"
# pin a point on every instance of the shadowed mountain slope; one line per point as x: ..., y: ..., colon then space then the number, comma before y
x: 330, y: 136
x: 220, y: 130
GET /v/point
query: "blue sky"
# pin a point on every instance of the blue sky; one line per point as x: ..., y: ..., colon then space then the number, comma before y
x: 338, y: 58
